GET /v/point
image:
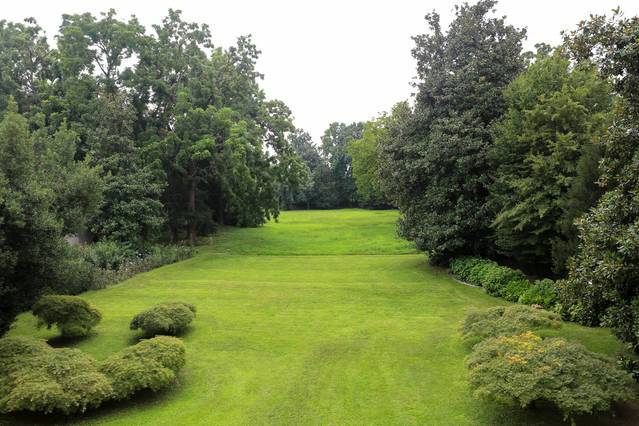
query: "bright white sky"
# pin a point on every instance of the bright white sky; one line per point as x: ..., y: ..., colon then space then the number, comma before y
x: 328, y: 60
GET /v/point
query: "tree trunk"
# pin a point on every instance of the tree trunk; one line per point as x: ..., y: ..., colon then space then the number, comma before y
x: 191, y: 210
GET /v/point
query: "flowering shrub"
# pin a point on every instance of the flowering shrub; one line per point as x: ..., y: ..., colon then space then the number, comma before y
x: 523, y: 369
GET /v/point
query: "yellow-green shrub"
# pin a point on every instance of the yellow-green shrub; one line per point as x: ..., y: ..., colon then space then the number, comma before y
x: 506, y: 320
x: 36, y: 377
x: 523, y: 369
x: 165, y: 318
x: 151, y: 364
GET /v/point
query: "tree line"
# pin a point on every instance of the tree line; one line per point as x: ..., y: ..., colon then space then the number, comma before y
x: 528, y: 158
x: 130, y: 136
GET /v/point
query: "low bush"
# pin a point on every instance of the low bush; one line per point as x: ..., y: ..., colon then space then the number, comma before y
x: 36, y: 377
x: 515, y: 289
x: 485, y: 273
x: 542, y: 292
x: 165, y: 318
x: 524, y: 369
x: 467, y: 268
x: 500, y: 321
x: 109, y: 254
x: 151, y: 364
x: 73, y: 316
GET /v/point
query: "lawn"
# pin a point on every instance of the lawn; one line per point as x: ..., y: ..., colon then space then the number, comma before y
x: 324, y: 317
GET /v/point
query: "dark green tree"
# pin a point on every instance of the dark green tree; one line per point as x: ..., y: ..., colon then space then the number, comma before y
x: 334, y: 147
x: 440, y: 161
x: 555, y: 114
x: 602, y: 281
x: 36, y: 209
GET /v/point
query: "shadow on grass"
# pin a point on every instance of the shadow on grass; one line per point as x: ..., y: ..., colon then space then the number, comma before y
x: 138, y: 337
x: 63, y: 341
x: 141, y: 400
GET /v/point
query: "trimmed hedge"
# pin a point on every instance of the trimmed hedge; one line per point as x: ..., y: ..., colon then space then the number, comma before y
x: 165, y: 318
x: 502, y: 281
x: 36, y: 377
x: 151, y: 364
x: 73, y: 316
x: 524, y: 369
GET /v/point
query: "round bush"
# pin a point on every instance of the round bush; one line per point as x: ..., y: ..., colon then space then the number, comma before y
x: 166, y: 318
x: 36, y: 377
x: 524, y: 369
x: 73, y: 316
x: 151, y: 364
x: 509, y: 320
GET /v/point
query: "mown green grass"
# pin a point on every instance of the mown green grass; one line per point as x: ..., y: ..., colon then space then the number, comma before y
x: 323, y: 318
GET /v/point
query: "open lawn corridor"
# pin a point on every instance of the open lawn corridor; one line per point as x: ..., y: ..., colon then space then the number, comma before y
x: 325, y: 317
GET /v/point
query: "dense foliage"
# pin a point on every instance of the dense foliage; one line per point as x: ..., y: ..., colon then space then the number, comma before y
x: 44, y: 193
x: 506, y: 321
x: 73, y: 316
x: 602, y: 282
x: 165, y: 318
x: 502, y: 281
x: 151, y: 364
x: 438, y: 159
x: 122, y: 135
x: 524, y: 369
x: 555, y: 118
x: 36, y: 377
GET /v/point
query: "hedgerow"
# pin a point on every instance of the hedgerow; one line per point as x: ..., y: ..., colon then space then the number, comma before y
x: 73, y: 316
x: 502, y: 281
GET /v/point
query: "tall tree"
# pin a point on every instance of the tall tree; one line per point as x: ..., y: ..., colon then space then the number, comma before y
x: 441, y: 161
x: 602, y: 284
x: 364, y: 155
x: 556, y: 117
x: 25, y: 63
x: 36, y: 208
x: 334, y: 147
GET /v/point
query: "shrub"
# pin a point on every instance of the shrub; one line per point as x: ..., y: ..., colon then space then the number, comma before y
x: 509, y: 320
x: 523, y: 369
x: 151, y: 364
x: 36, y: 377
x: 73, y: 316
x: 485, y: 273
x: 463, y: 267
x: 165, y: 318
x: 542, y: 292
x: 109, y: 254
x: 514, y: 289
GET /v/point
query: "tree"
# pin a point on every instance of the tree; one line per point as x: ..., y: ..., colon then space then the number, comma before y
x: 302, y: 144
x: 25, y: 63
x: 334, y: 147
x: 556, y: 117
x: 440, y: 161
x: 364, y: 155
x: 602, y: 278
x: 33, y: 212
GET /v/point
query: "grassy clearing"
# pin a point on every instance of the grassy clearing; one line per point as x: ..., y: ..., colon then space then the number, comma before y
x: 323, y: 318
